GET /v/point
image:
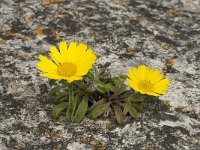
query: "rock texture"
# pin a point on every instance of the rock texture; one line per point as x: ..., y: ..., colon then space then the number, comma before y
x: 123, y: 33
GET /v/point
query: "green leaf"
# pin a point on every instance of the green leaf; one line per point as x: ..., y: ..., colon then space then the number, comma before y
x: 81, y: 111
x: 81, y: 86
x: 58, y: 109
x: 52, y: 82
x: 110, y: 87
x: 135, y: 97
x: 96, y: 71
x: 54, y: 91
x: 138, y: 98
x: 123, y: 77
x: 59, y: 97
x: 118, y: 81
x: 95, y: 105
x: 98, y: 110
x: 122, y: 89
x: 118, y: 114
x: 120, y: 104
x: 133, y: 112
x: 115, y: 81
x: 137, y: 107
x: 90, y: 75
x: 101, y: 89
x: 71, y: 106
x: 64, y: 82
x: 101, y: 70
x: 119, y: 85
x: 126, y: 108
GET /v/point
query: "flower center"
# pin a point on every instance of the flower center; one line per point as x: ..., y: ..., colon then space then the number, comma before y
x: 66, y: 69
x: 145, y: 86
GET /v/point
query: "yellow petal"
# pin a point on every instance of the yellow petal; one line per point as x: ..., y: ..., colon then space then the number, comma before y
x: 46, y: 65
x: 54, y: 59
x: 72, y: 53
x: 63, y: 49
x: 133, y: 73
x: 162, y: 88
x: 55, y: 55
x: 51, y: 76
x: 82, y: 47
x: 148, y: 74
x: 160, y: 92
x: 156, y: 76
x: 132, y: 84
x: 152, y: 93
x: 85, y: 63
x: 132, y: 77
x: 142, y: 71
x: 76, y: 53
x: 72, y: 78
x: 141, y: 91
x: 162, y: 83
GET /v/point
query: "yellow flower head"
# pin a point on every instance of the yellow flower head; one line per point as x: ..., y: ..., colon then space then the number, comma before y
x: 147, y: 81
x: 70, y: 63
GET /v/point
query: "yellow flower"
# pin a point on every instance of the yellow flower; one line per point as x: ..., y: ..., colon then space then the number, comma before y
x: 147, y: 81
x: 70, y: 63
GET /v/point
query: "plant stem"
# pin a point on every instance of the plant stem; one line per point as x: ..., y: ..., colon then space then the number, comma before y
x: 72, y: 103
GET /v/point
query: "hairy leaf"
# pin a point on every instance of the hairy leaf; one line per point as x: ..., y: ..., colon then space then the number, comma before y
x: 119, y: 114
x: 133, y: 112
x: 101, y: 89
x: 82, y: 108
x: 110, y: 87
x: 138, y: 99
x: 52, y: 82
x: 137, y: 107
x: 126, y: 108
x: 71, y: 106
x: 95, y: 105
x: 59, y: 97
x: 54, y: 91
x: 98, y: 110
x: 58, y: 109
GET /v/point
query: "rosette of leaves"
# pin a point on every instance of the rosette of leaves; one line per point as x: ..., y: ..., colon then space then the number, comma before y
x: 69, y: 100
x: 96, y: 94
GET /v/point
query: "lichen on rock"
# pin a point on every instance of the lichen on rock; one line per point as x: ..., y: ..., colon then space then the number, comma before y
x: 123, y: 34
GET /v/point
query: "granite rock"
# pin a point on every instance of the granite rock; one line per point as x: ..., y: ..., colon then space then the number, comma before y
x: 123, y: 33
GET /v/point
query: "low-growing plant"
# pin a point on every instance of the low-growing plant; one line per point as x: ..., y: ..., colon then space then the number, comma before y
x: 81, y: 89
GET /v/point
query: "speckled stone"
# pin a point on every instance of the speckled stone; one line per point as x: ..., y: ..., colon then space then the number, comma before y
x: 123, y: 33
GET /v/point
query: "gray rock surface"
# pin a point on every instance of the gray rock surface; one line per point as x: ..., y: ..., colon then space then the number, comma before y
x: 123, y: 33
